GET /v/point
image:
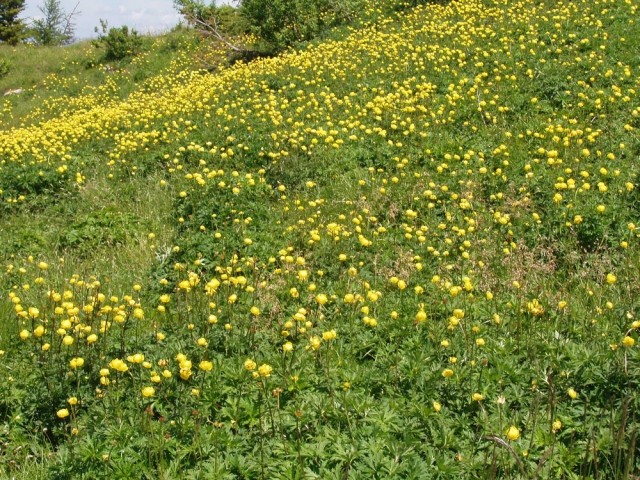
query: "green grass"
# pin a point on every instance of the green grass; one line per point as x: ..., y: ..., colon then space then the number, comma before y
x: 407, y: 250
x: 50, y: 76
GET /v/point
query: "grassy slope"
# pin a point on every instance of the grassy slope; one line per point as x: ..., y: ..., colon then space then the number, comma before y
x: 475, y: 163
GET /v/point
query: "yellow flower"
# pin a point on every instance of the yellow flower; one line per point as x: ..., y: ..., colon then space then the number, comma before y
x: 77, y: 362
x: 321, y: 298
x: 206, y: 366
x: 556, y: 425
x: 287, y: 347
x: 265, y: 370
x: 315, y: 342
x: 250, y: 365
x: 535, y: 308
x: 572, y: 394
x: 118, y: 365
x: 329, y: 335
x: 513, y: 433
x: 136, y: 358
x: 611, y: 278
x: 447, y: 372
x: 72, y: 400
x: 62, y: 413
x: 148, y: 391
x: 628, y: 341
x: 437, y: 406
x: 477, y: 397
x: 24, y: 334
x: 421, y: 316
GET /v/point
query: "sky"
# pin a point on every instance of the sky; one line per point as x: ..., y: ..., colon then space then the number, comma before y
x: 146, y: 16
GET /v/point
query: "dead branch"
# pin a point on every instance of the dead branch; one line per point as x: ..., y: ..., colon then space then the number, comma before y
x: 503, y: 443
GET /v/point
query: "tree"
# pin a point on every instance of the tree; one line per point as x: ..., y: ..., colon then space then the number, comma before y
x: 279, y: 23
x: 56, y: 27
x: 12, y: 28
x: 222, y: 23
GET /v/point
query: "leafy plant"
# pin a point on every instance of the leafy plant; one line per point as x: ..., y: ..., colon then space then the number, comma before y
x: 5, y: 67
x: 56, y: 26
x: 104, y: 227
x: 117, y: 43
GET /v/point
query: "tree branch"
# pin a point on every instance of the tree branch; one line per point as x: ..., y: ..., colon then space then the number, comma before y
x: 211, y: 28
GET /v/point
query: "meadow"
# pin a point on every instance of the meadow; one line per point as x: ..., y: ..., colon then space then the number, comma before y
x: 406, y: 250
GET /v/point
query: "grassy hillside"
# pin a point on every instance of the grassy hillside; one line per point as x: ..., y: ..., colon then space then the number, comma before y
x: 408, y: 250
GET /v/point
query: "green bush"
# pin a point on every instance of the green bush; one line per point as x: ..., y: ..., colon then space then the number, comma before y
x: 282, y: 23
x: 5, y: 67
x: 118, y: 43
x: 107, y: 227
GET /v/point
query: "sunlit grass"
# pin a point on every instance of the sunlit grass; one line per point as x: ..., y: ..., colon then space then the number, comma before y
x: 408, y: 251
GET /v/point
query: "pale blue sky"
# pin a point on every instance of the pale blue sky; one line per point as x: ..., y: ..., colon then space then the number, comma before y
x: 146, y: 16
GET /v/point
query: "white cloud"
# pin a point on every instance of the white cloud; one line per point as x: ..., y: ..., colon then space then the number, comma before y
x: 146, y: 16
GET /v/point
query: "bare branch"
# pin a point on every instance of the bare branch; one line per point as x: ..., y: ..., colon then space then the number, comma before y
x: 68, y: 28
x: 211, y: 28
x: 503, y: 443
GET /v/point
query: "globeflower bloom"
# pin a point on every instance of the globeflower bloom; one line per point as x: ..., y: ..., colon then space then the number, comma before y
x: 148, y: 392
x: 513, y: 433
x: 265, y: 370
x: 329, y: 335
x: 76, y: 362
x: 628, y: 341
x: 118, y: 365
x: 321, y: 298
x: 206, y: 366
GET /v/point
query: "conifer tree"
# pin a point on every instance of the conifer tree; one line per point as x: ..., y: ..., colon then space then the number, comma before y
x: 12, y: 28
x: 56, y: 26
